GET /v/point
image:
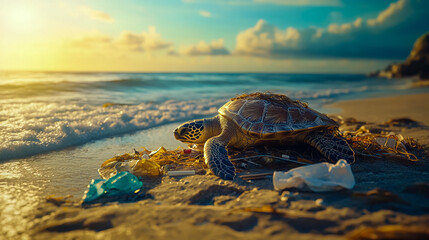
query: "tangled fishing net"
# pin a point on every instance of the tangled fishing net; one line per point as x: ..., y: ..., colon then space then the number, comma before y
x: 367, y: 146
x: 383, y: 146
x: 154, y: 163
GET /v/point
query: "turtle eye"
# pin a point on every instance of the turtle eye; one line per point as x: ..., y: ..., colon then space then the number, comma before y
x: 183, y: 131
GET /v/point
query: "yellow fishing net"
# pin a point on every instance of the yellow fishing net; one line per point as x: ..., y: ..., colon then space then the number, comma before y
x: 393, y: 146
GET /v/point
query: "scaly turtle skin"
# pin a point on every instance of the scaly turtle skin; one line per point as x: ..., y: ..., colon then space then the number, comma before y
x: 262, y: 118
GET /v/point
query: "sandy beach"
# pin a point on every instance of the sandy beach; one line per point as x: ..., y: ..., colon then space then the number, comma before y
x: 380, y: 110
x: 389, y: 198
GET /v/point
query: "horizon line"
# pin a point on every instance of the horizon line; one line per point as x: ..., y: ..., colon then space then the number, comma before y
x: 173, y: 72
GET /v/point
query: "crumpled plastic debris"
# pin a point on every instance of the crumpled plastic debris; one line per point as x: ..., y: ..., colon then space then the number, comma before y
x: 138, y: 167
x: 122, y: 184
x: 154, y: 163
x: 146, y: 167
x: 321, y: 177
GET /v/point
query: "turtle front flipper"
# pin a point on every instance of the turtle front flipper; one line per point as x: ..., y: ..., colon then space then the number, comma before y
x: 216, y: 158
x: 331, y: 145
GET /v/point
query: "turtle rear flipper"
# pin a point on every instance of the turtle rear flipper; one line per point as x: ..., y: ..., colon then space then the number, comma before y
x: 330, y: 145
x: 216, y: 158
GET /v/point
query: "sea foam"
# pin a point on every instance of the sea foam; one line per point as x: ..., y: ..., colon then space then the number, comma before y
x: 31, y: 128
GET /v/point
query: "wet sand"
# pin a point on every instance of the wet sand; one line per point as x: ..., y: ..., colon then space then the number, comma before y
x: 205, y: 207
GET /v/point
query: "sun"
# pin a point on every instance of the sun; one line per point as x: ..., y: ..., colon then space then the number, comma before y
x: 17, y: 16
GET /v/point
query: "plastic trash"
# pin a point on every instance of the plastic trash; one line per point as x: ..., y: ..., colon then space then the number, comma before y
x: 125, y: 166
x: 122, y: 184
x: 391, y: 142
x: 160, y: 150
x: 146, y: 167
x: 141, y: 167
x: 181, y: 173
x: 321, y: 177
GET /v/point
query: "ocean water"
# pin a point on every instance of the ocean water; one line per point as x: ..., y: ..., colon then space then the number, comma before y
x: 56, y: 128
x: 41, y: 112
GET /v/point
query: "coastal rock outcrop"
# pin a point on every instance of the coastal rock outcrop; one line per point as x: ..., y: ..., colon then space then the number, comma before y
x: 416, y: 64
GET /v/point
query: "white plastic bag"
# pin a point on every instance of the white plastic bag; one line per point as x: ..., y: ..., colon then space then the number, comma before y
x: 321, y: 177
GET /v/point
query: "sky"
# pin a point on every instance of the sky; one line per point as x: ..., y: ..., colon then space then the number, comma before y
x: 309, y: 36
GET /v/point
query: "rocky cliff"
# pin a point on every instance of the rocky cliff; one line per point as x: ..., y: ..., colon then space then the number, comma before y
x: 416, y: 64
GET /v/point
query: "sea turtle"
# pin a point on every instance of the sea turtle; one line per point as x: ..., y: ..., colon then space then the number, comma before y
x: 262, y: 118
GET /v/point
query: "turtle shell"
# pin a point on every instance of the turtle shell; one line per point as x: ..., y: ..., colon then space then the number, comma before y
x: 271, y: 115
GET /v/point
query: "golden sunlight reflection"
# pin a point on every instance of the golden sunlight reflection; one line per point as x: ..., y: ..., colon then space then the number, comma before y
x: 19, y: 198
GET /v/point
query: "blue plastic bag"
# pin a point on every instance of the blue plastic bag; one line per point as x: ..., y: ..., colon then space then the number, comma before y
x: 122, y: 184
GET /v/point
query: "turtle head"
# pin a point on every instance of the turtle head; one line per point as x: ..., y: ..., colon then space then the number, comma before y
x: 190, y: 132
x: 197, y: 131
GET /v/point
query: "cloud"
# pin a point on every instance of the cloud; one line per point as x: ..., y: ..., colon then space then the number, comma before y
x: 380, y: 38
x: 97, y: 15
x: 172, y: 52
x: 205, y: 13
x: 90, y: 41
x: 261, y: 39
x: 272, y: 2
x: 153, y: 40
x: 130, y: 41
x: 216, y: 47
x: 144, y: 41
x: 392, y: 10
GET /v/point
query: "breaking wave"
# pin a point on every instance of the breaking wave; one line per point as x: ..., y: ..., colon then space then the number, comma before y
x: 32, y: 128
